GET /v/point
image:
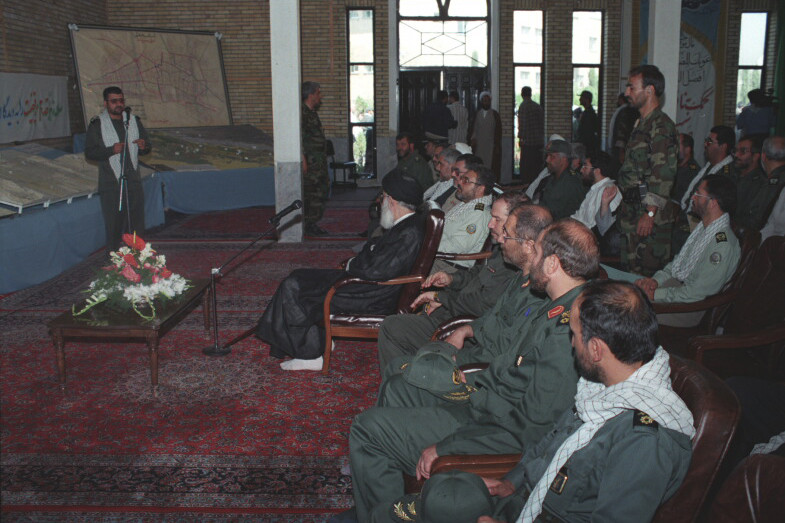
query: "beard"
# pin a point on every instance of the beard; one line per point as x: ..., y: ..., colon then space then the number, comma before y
x: 538, y: 278
x: 586, y: 370
x: 387, y: 219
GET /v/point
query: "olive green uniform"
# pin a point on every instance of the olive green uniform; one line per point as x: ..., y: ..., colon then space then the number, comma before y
x: 651, y: 159
x: 759, y: 195
x: 512, y: 404
x: 563, y: 195
x: 416, y: 167
x: 627, y: 470
x: 316, y: 181
x: 473, y: 292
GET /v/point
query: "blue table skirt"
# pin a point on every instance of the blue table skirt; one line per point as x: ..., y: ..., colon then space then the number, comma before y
x: 42, y: 242
x: 202, y: 191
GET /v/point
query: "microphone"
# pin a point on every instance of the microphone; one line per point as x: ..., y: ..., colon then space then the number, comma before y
x: 293, y: 206
x: 126, y: 114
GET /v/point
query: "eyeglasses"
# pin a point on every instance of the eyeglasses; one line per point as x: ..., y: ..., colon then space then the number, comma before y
x: 709, y: 141
x: 506, y: 235
x: 704, y: 196
x: 116, y: 100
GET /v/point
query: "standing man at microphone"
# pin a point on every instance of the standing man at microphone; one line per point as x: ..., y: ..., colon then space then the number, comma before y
x: 119, y: 182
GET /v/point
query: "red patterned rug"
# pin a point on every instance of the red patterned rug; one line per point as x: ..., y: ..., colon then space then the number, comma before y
x: 227, y: 439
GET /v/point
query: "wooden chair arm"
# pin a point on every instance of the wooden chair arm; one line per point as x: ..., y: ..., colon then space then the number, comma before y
x: 698, y: 345
x: 712, y: 301
x: 452, y: 256
x: 487, y: 465
x: 447, y: 328
x: 348, y: 280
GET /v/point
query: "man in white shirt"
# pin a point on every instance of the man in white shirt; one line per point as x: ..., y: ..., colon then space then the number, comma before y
x: 461, y: 116
x: 595, y: 172
x: 444, y: 186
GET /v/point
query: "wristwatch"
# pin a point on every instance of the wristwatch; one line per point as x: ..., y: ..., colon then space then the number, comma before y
x: 651, y: 214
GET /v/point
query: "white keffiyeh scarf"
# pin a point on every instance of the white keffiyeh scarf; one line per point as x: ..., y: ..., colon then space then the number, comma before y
x: 648, y: 389
x: 687, y: 258
x: 109, y: 136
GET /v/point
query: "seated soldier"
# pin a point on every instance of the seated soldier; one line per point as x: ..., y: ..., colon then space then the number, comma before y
x: 707, y: 260
x: 290, y: 322
x: 562, y: 192
x: 466, y: 224
x: 472, y: 292
x: 502, y: 409
x: 621, y: 451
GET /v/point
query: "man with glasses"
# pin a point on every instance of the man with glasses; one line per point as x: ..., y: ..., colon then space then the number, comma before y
x: 718, y: 149
x: 118, y: 167
x: 706, y: 261
x: 562, y: 191
x: 472, y: 292
x: 466, y: 224
x: 502, y: 409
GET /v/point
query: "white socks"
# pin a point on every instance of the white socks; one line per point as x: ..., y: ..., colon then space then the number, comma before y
x: 298, y: 364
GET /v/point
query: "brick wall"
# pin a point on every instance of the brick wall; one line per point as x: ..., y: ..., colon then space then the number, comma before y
x: 36, y: 40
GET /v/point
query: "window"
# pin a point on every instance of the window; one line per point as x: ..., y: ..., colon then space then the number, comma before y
x: 752, y: 56
x: 362, y: 123
x: 586, y: 62
x: 527, y: 60
x: 439, y: 33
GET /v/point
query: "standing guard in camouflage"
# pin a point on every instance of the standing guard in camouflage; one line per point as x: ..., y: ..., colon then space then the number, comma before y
x: 645, y: 216
x: 316, y: 182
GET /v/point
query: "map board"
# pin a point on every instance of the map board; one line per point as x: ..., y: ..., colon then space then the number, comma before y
x: 170, y: 79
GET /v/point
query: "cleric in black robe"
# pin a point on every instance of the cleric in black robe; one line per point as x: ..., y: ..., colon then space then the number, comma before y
x: 290, y: 322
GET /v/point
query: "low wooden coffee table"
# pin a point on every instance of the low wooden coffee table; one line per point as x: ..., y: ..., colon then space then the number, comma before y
x: 105, y: 324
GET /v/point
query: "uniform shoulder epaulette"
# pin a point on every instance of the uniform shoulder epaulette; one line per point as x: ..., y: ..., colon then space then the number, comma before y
x: 555, y: 311
x: 774, y: 180
x: 641, y: 419
x: 721, y: 237
x: 479, y: 206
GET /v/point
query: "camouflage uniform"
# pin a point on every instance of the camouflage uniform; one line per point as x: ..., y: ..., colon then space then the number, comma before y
x: 316, y: 182
x: 651, y: 158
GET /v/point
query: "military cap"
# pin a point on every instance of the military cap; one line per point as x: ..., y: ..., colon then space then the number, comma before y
x: 437, y: 373
x: 445, y: 498
x: 559, y: 146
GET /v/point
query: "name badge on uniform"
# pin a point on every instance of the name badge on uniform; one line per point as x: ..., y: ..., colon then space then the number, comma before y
x: 560, y: 481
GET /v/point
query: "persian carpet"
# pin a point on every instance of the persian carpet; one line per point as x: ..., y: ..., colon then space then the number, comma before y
x: 227, y: 439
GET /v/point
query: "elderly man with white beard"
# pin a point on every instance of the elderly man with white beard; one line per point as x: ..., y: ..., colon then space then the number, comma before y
x: 290, y: 324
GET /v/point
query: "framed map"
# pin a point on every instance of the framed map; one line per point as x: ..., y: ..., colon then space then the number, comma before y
x: 169, y: 78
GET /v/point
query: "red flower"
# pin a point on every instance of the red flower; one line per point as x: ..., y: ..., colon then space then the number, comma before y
x: 130, y: 260
x: 131, y: 275
x: 165, y: 273
x: 134, y: 241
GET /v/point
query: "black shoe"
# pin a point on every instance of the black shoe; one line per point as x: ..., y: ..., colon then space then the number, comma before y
x: 315, y: 230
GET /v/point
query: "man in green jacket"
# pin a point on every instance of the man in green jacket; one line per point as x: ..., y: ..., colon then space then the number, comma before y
x: 502, y: 409
x: 466, y: 292
x: 616, y: 455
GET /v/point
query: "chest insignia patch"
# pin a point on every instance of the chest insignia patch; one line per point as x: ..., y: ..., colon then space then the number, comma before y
x: 721, y: 237
x: 479, y: 207
x: 471, y: 228
x: 641, y: 419
x: 715, y: 258
x: 555, y: 311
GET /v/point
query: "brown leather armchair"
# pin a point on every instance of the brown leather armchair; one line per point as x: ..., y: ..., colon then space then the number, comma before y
x: 753, y: 492
x: 715, y: 411
x: 367, y: 326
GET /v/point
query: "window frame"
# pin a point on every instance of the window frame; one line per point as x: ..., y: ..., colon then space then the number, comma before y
x: 598, y: 101
x: 515, y: 65
x: 349, y: 65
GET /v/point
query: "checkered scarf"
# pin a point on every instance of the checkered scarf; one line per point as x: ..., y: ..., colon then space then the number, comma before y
x: 687, y: 258
x: 109, y: 135
x: 648, y: 389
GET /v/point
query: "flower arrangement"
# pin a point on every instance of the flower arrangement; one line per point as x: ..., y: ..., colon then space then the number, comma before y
x: 136, y: 277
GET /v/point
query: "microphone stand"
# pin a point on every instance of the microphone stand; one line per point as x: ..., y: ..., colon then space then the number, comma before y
x: 123, y: 180
x: 215, y: 349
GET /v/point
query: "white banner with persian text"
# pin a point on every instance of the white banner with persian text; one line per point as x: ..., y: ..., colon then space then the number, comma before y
x: 33, y: 106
